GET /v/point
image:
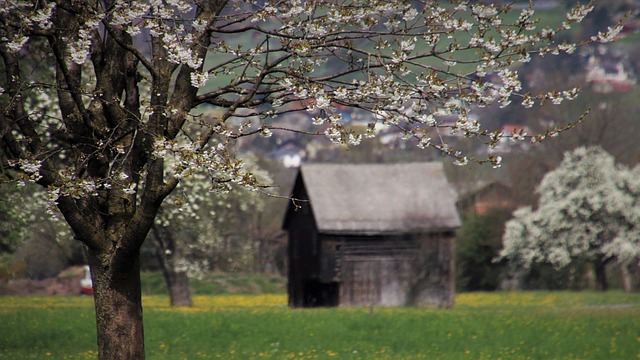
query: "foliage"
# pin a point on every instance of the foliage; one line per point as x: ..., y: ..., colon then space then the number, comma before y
x: 36, y: 241
x: 513, y: 325
x: 11, y: 223
x: 478, y: 242
x: 588, y: 210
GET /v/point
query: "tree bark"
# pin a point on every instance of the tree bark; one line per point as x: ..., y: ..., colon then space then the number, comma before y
x: 177, y: 281
x: 627, y: 279
x: 118, y: 304
x: 178, y: 285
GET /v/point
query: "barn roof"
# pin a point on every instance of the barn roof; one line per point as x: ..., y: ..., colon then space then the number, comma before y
x: 380, y: 198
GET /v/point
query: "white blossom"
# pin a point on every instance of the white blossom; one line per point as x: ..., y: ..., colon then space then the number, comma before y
x: 527, y: 101
x: 354, y: 139
x: 408, y: 45
x: 266, y: 132
x: 334, y: 134
x: 322, y: 101
x: 461, y: 161
x: 579, y: 12
x: 497, y: 162
x: 42, y: 18
x: 131, y: 189
x: 424, y: 143
x: 410, y: 14
x: 17, y: 43
x: 609, y: 36
x: 198, y: 79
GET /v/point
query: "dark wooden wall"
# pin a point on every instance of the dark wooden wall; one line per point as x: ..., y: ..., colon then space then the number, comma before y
x: 433, y: 271
x: 303, y: 252
x: 331, y: 270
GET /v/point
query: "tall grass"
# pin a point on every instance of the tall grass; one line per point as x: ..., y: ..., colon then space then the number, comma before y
x: 528, y: 325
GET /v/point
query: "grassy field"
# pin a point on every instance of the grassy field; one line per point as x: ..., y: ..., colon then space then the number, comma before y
x: 528, y: 325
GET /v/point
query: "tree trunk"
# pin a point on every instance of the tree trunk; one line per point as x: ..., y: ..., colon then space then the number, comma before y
x: 118, y: 304
x: 627, y: 279
x: 178, y: 285
x: 601, y: 275
x: 177, y: 281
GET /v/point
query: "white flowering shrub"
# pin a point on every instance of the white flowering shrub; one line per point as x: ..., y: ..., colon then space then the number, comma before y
x: 199, y: 229
x: 26, y: 219
x: 12, y: 220
x: 588, y: 210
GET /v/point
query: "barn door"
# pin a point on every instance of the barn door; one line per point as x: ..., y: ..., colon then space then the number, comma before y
x: 368, y: 281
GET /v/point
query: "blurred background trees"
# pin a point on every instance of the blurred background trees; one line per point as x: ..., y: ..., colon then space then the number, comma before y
x: 589, y: 210
x: 477, y: 243
x: 200, y: 230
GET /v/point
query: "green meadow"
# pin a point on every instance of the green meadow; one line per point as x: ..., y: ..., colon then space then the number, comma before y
x: 513, y: 325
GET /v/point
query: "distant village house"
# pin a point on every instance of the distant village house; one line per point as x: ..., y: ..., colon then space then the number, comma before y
x: 609, y: 73
x: 486, y: 196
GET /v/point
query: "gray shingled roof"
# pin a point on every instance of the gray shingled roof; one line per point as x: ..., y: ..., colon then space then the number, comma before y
x: 380, y: 198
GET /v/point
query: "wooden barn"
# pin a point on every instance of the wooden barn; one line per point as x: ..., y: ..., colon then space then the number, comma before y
x: 371, y: 234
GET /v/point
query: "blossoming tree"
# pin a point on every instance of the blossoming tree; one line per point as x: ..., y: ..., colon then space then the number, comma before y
x: 96, y: 95
x: 588, y: 210
x: 195, y: 231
